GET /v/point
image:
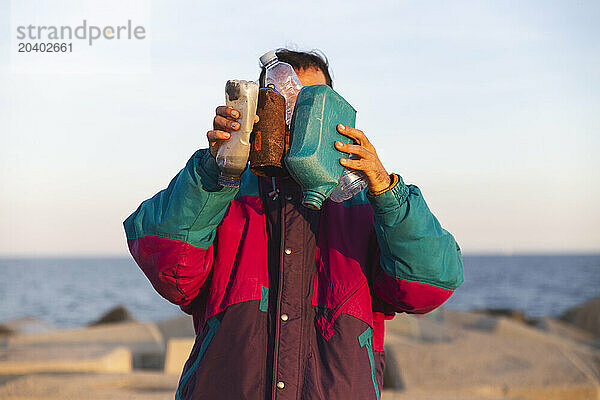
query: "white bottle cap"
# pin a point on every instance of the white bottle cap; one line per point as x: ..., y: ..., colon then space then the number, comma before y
x: 267, y: 57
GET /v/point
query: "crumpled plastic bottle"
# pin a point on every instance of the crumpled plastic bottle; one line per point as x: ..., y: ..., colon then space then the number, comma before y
x: 282, y: 77
x: 351, y: 183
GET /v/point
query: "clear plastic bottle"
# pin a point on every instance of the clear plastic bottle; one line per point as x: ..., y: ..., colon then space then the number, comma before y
x: 232, y: 157
x: 282, y: 77
x: 351, y: 183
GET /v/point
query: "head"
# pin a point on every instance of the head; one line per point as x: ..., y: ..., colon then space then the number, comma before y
x: 311, y: 67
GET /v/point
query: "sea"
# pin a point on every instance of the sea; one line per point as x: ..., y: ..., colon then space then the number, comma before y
x: 72, y: 292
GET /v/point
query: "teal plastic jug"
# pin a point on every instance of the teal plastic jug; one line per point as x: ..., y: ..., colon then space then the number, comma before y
x: 312, y: 159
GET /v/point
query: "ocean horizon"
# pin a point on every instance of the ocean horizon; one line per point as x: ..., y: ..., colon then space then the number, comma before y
x: 75, y: 291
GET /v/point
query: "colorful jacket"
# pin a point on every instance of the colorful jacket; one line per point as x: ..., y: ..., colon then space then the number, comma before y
x: 288, y: 302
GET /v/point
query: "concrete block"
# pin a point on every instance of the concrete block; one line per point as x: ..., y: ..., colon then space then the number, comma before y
x: 439, y: 395
x: 25, y: 325
x: 585, y: 316
x: 562, y: 329
x: 557, y: 392
x: 493, y: 358
x: 177, y: 327
x: 143, y: 339
x: 90, y: 386
x: 178, y: 351
x: 74, y: 359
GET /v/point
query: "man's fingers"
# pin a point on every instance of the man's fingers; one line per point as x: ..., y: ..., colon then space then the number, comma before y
x: 215, y: 139
x: 354, y: 133
x: 361, y: 165
x: 228, y: 112
x: 354, y: 149
x: 217, y: 135
x: 354, y: 164
x: 224, y: 124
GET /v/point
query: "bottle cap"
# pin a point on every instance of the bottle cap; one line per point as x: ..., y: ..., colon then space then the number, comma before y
x: 268, y: 57
x: 313, y: 199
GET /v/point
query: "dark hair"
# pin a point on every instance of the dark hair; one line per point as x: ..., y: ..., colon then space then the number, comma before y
x: 302, y: 60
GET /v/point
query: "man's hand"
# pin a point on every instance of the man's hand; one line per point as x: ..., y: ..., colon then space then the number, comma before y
x: 223, y: 123
x: 377, y: 177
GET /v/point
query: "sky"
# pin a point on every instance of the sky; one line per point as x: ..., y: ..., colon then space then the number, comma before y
x: 491, y: 108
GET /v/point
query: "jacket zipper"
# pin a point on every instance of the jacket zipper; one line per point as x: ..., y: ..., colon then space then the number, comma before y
x: 279, y: 289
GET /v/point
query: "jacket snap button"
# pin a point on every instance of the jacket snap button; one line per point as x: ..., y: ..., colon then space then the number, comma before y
x: 288, y: 251
x: 284, y: 317
x: 288, y: 197
x: 280, y: 385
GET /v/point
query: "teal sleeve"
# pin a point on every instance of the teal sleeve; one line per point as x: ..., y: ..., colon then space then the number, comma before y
x: 413, y: 245
x: 189, y: 209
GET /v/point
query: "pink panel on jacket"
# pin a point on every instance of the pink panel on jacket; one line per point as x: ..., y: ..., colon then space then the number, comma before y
x: 176, y: 269
x: 240, y: 264
x: 409, y: 296
x: 345, y: 253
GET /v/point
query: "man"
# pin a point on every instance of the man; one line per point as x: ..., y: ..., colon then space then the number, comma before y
x: 288, y: 302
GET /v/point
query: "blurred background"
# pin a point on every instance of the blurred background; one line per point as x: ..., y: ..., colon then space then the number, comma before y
x: 491, y: 108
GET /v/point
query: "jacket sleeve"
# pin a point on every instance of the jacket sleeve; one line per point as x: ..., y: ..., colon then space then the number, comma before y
x: 170, y: 235
x: 420, y: 263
